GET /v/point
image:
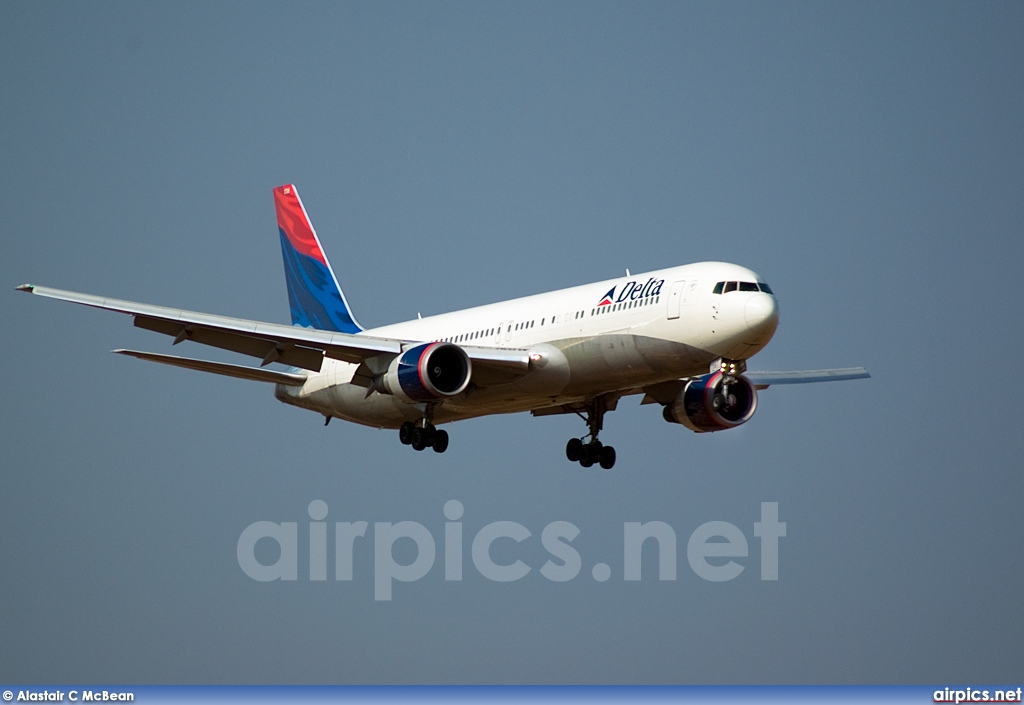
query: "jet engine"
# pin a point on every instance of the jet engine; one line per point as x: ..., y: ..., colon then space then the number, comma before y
x: 713, y: 402
x: 428, y: 372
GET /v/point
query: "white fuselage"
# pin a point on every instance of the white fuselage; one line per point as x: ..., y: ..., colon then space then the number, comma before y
x: 652, y: 327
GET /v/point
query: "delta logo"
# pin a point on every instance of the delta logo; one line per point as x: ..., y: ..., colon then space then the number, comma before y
x: 632, y: 290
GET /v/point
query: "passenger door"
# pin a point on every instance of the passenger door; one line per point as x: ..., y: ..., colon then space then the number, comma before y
x: 675, y: 298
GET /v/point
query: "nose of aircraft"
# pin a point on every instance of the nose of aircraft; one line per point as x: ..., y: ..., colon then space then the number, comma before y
x: 762, y: 313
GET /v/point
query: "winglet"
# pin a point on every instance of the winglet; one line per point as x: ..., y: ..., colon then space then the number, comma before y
x: 25, y: 287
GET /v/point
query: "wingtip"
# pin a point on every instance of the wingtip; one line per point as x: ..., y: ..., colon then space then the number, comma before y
x: 25, y: 287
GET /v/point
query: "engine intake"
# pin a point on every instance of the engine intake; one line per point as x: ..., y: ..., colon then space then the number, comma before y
x: 427, y: 372
x: 709, y: 404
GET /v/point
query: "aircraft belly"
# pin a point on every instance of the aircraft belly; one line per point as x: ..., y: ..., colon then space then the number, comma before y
x: 621, y: 360
x: 572, y: 370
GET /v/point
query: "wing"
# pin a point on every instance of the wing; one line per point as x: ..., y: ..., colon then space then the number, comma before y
x: 762, y: 380
x: 666, y: 392
x: 274, y: 342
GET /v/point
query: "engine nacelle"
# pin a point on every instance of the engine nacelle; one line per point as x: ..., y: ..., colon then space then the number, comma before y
x: 427, y: 372
x: 706, y: 405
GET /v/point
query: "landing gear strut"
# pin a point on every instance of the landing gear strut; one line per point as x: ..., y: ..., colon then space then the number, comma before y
x: 424, y: 435
x: 592, y: 451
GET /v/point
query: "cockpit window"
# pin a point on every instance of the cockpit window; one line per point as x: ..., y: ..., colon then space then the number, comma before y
x: 726, y: 287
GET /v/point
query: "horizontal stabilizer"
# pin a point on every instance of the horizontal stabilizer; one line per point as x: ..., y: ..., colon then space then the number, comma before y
x: 220, y: 368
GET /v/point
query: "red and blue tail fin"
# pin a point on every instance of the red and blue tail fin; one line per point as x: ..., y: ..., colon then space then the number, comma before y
x: 314, y: 296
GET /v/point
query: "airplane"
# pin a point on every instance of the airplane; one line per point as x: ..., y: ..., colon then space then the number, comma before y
x: 679, y: 336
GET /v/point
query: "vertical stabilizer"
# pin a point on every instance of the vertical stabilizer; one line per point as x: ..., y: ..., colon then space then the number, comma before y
x: 315, y: 298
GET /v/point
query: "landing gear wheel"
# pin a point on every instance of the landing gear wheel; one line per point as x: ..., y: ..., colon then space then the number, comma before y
x: 419, y: 438
x: 431, y: 435
x: 440, y: 441
x: 593, y: 451
x: 405, y: 432
x: 573, y: 449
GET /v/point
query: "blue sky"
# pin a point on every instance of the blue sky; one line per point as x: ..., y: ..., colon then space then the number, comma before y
x: 864, y: 158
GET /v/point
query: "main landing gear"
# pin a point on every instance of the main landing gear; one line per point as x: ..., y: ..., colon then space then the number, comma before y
x: 593, y: 451
x: 424, y: 435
